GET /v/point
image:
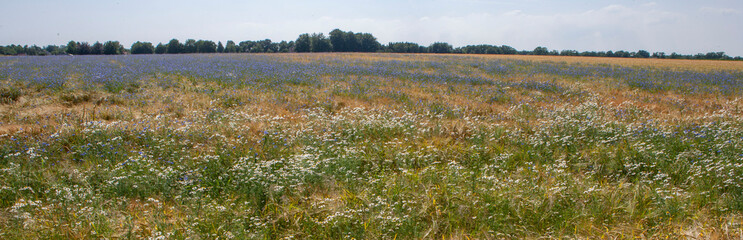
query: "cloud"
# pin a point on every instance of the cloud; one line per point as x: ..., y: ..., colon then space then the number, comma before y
x: 650, y: 4
x: 719, y: 10
x: 611, y: 27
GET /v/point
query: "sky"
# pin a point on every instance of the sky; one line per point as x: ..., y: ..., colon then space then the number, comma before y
x: 682, y: 26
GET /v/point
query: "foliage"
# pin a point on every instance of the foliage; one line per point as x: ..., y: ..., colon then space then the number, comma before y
x: 144, y: 48
x: 303, y: 43
x: 338, y: 41
x: 174, y: 46
x: 353, y: 42
x: 440, y: 47
x: 9, y: 94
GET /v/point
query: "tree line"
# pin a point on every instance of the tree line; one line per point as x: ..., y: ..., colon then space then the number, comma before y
x: 336, y: 41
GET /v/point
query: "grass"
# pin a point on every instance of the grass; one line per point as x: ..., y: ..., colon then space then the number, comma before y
x: 9, y: 94
x: 370, y: 146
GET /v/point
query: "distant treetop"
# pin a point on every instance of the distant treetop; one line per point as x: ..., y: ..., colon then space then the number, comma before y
x: 336, y: 41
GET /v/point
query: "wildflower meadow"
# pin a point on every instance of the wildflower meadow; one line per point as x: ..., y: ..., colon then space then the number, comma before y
x: 369, y: 146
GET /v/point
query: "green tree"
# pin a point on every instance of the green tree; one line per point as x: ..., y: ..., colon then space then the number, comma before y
x: 245, y: 46
x: 71, y: 48
x: 160, y: 49
x: 220, y: 47
x: 505, y: 49
x: 97, y: 48
x: 52, y: 49
x: 352, y: 42
x: 716, y: 55
x: 405, y: 47
x: 112, y: 48
x: 284, y: 47
x: 83, y: 48
x: 189, y: 46
x: 440, y: 47
x: 368, y: 42
x: 303, y: 43
x: 569, y: 53
x: 540, y: 51
x: 642, y: 54
x: 10, y: 50
x: 205, y: 46
x: 231, y: 47
x: 142, y: 48
x: 261, y: 46
x: 338, y: 40
x: 320, y: 43
x: 659, y: 55
x: 174, y: 46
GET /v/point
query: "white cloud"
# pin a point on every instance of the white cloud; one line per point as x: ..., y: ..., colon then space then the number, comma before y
x: 719, y: 10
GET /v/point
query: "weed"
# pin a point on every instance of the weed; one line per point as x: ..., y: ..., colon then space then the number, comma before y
x: 9, y: 94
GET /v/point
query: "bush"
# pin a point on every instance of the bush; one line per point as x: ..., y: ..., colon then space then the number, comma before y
x: 9, y: 94
x: 76, y: 98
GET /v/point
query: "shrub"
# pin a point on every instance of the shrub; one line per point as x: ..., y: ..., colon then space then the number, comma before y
x: 9, y: 94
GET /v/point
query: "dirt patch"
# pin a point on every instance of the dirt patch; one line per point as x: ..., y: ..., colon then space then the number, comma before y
x: 44, y: 110
x: 12, y: 129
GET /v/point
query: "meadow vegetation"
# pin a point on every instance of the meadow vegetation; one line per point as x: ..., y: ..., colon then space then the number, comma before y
x: 369, y: 146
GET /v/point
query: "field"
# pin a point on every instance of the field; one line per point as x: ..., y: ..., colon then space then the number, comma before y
x: 369, y: 146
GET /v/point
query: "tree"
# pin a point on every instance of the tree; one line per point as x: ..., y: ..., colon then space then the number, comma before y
x: 52, y: 49
x: 368, y: 42
x: 112, y: 48
x: 245, y: 46
x: 142, y: 48
x: 262, y: 46
x: 540, y: 51
x: 480, y: 49
x: 505, y: 49
x: 715, y: 55
x: 205, y: 46
x: 174, y: 46
x: 83, y: 48
x: 642, y: 54
x: 7, y: 50
x: 303, y: 43
x: 160, y: 49
x: 72, y: 48
x: 569, y: 53
x: 189, y: 46
x: 659, y: 55
x: 231, y: 47
x: 33, y: 50
x: 97, y: 48
x: 220, y: 48
x: 284, y: 47
x: 405, y: 47
x: 440, y: 47
x: 267, y: 46
x: 622, y: 54
x: 352, y: 42
x: 320, y: 43
x: 338, y: 40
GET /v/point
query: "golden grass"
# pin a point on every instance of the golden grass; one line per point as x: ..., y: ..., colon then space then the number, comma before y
x: 679, y: 64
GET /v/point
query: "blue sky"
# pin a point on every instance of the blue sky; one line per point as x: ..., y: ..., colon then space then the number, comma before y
x: 681, y: 26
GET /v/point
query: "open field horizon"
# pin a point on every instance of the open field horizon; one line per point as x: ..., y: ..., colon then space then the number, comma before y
x: 370, y: 146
